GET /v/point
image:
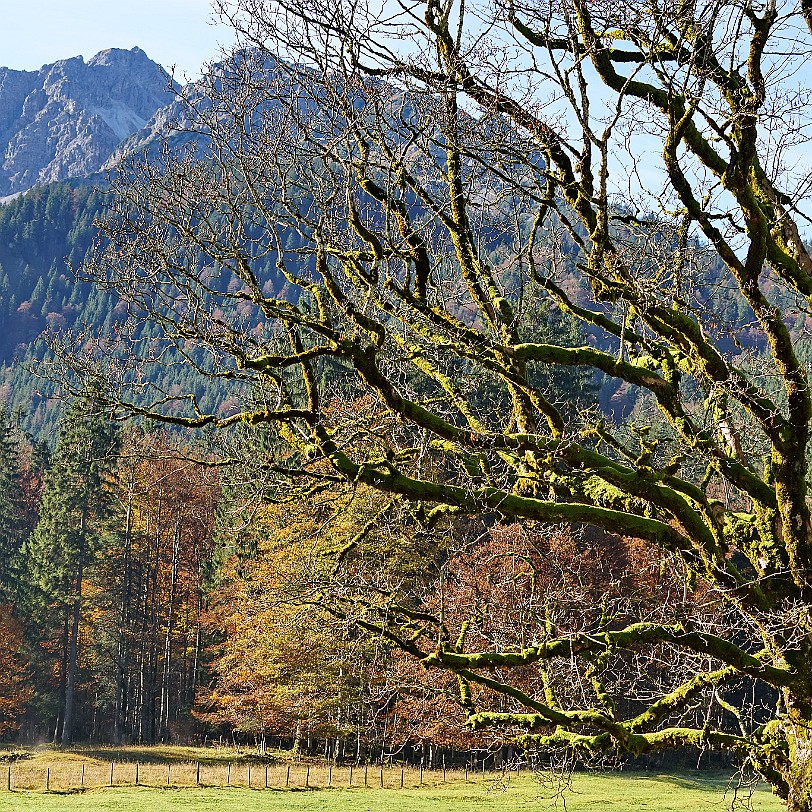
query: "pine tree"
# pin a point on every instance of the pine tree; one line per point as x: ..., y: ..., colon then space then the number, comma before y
x: 12, y: 509
x: 76, y: 507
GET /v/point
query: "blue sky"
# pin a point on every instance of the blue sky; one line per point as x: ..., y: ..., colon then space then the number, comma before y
x: 36, y: 32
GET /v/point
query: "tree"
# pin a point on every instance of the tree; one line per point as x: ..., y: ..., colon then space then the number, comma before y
x: 435, y: 170
x: 285, y: 664
x: 68, y: 537
x: 12, y: 508
x: 15, y: 684
x: 147, y: 593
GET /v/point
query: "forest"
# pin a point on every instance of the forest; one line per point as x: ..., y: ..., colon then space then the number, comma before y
x: 147, y: 595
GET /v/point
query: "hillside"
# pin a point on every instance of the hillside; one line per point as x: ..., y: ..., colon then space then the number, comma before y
x: 44, y: 234
x: 122, y: 98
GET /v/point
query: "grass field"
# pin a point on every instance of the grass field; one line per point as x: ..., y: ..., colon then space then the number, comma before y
x: 226, y: 789
x: 617, y: 793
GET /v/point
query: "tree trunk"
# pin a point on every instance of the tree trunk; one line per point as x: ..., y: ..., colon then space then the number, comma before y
x: 73, y: 654
x: 119, y: 718
x: 164, y: 714
x: 797, y: 771
x: 153, y: 688
x: 63, y: 675
x: 139, y: 702
x: 196, y: 663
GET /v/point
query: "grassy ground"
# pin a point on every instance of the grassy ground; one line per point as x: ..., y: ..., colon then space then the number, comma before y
x: 145, y: 754
x: 226, y: 789
x: 615, y: 793
x: 163, y: 767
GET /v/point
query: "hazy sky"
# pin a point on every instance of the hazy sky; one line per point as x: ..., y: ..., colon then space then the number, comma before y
x: 36, y: 32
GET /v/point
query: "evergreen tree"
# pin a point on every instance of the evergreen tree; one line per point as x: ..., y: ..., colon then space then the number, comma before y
x: 76, y: 507
x: 12, y: 510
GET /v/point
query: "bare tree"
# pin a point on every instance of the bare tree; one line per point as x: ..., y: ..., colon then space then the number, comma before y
x: 381, y: 205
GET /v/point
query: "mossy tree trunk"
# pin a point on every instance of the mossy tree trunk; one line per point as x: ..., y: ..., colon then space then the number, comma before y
x: 796, y: 728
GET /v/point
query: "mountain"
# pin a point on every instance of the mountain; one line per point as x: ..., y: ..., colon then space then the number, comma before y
x: 183, y: 122
x: 71, y: 119
x: 59, y: 127
x: 168, y: 122
x: 66, y: 119
x: 45, y: 233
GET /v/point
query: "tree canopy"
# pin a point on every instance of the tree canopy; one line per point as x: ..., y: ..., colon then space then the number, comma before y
x: 432, y: 180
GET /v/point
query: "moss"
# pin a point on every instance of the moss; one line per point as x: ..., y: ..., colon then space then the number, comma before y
x: 599, y: 491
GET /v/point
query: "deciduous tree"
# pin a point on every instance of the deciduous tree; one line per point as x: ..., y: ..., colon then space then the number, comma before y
x: 286, y: 664
x: 148, y: 592
x: 16, y: 689
x: 419, y: 176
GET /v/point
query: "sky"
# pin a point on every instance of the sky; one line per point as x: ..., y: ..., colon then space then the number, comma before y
x: 180, y: 32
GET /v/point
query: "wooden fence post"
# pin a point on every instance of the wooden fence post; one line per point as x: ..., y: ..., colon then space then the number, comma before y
x: 330, y: 776
x: 381, y: 776
x: 169, y: 774
x: 402, y: 770
x: 228, y: 774
x: 350, y: 774
x: 47, y: 778
x: 82, y: 782
x: 421, y: 773
x: 266, y: 776
x: 8, y: 780
x: 287, y: 777
x: 197, y: 777
x: 249, y: 776
x: 111, y: 773
x: 307, y: 778
x: 366, y: 770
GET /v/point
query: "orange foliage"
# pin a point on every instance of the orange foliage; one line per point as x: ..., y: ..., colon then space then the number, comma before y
x: 282, y: 666
x: 508, y: 589
x: 15, y: 688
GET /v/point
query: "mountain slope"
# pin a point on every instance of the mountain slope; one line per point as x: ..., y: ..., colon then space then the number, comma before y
x: 66, y: 119
x: 43, y: 234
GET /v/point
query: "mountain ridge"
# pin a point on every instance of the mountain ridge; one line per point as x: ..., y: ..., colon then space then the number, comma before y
x: 66, y: 119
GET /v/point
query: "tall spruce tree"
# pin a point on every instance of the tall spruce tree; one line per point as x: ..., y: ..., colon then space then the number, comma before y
x: 12, y: 524
x: 76, y: 507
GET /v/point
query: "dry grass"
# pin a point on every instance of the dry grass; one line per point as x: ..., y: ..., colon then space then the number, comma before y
x: 56, y: 770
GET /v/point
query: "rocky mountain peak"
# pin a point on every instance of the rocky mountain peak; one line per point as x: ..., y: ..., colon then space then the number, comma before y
x: 67, y: 118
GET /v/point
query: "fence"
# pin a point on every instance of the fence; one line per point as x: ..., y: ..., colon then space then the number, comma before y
x: 71, y: 775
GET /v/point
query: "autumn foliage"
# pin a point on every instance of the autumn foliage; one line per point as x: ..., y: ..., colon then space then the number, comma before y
x: 16, y: 689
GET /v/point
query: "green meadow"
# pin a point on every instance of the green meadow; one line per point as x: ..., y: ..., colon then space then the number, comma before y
x: 614, y: 793
x: 46, y: 779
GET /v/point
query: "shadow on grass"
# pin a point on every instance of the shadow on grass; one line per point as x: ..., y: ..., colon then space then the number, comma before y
x: 712, y: 780
x: 175, y: 755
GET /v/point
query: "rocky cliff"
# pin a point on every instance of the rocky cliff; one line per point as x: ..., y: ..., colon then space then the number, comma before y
x: 67, y: 119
